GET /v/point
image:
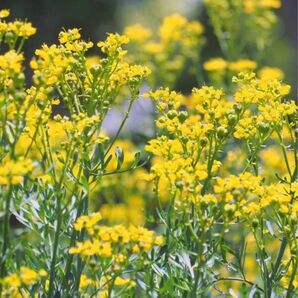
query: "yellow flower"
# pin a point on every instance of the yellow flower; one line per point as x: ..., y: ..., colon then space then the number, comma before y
x: 250, y: 6
x: 137, y: 33
x: 215, y: 64
x: 28, y: 276
x: 13, y: 171
x: 11, y: 63
x: 4, y: 13
x: 242, y: 65
x: 119, y: 281
x: 153, y: 47
x: 171, y: 28
x: 25, y: 277
x: 87, y: 222
x: 12, y: 280
x: 113, y: 43
x: 85, y: 281
x: 271, y: 73
x: 21, y: 29
x: 69, y: 35
x: 106, y: 241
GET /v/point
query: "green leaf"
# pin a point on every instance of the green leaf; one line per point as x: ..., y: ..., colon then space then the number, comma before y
x: 270, y: 228
x: 137, y: 159
x: 107, y: 161
x: 120, y: 157
x: 98, y: 155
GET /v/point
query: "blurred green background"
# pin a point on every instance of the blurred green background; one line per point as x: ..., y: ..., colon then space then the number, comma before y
x: 96, y: 17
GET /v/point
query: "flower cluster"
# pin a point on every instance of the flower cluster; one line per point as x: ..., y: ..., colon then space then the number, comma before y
x: 112, y: 250
x: 219, y: 64
x: 176, y: 42
x: 192, y: 168
x: 13, y: 171
x: 255, y: 16
x: 117, y: 242
x: 220, y: 71
x: 26, y: 277
x: 10, y: 32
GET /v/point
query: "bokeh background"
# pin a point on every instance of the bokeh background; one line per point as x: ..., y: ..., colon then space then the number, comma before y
x: 96, y: 17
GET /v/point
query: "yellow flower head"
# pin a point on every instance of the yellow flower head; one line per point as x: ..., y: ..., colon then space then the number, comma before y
x: 137, y: 33
x: 21, y: 29
x: 113, y: 43
x: 215, y: 64
x: 69, y: 35
x: 4, y: 13
x: 242, y: 65
x: 271, y: 73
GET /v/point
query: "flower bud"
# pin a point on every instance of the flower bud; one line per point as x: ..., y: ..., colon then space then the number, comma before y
x: 95, y: 70
x: 179, y: 184
x: 212, y: 112
x: 9, y: 37
x: 205, y: 105
x: 264, y: 127
x: 41, y: 104
x: 172, y: 114
x: 20, y: 79
x: 92, y: 263
x: 237, y: 108
x: 255, y: 223
x: 20, y: 96
x: 106, y: 103
x: 232, y: 119
x: 182, y: 116
x: 203, y: 141
x: 221, y: 132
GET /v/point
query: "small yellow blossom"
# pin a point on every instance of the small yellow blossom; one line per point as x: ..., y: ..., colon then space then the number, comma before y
x: 271, y: 73
x: 242, y: 65
x: 13, y: 171
x: 215, y: 64
x: 69, y: 35
x: 113, y: 43
x: 4, y: 13
x: 137, y: 33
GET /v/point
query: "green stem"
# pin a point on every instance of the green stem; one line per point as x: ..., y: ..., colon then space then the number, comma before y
x: 209, y: 165
x: 21, y: 44
x: 279, y: 257
x: 120, y: 127
x: 293, y: 275
x: 199, y: 258
x: 80, y: 263
x: 5, y: 234
x: 169, y: 226
x: 264, y: 269
x: 55, y: 249
x: 253, y: 157
x: 72, y: 240
x: 59, y: 218
x: 238, y: 280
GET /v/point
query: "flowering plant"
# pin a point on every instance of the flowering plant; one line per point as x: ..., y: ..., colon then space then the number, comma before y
x: 214, y: 212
